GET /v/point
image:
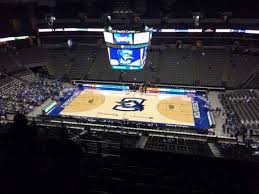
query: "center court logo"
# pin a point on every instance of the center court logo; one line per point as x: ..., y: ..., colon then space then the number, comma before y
x: 130, y: 104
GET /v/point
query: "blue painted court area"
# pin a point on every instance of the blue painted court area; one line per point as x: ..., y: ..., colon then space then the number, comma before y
x: 62, y: 103
x: 202, y: 123
x: 199, y: 101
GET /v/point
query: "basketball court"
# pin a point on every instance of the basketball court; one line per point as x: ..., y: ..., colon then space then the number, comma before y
x: 134, y: 106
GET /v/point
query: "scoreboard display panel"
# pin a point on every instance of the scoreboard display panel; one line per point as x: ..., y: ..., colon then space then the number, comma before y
x: 123, y: 38
x: 125, y: 56
x: 141, y: 37
x: 108, y: 37
x: 144, y: 55
x: 126, y: 59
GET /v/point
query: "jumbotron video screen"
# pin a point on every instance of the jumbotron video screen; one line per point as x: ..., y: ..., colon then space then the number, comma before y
x: 127, y: 50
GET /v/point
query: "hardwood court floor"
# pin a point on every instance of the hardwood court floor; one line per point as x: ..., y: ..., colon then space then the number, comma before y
x: 158, y: 108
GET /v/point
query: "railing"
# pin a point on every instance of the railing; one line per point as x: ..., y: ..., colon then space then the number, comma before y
x: 164, y: 132
x: 153, y: 84
x: 100, y: 147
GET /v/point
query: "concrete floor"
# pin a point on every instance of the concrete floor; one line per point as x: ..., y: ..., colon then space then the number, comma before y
x: 220, y: 120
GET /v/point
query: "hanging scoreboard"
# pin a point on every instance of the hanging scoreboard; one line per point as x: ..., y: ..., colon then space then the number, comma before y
x: 127, y: 50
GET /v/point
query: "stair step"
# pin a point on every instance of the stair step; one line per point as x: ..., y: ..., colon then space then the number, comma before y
x: 214, y: 150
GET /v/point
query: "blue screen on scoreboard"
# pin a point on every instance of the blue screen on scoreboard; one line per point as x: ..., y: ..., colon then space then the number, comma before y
x: 123, y: 38
x: 125, y: 58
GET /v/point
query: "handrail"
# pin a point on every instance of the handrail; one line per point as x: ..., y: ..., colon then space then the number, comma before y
x: 150, y: 131
x: 153, y: 84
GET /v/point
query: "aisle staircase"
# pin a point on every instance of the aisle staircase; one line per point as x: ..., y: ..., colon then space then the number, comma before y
x: 142, y: 142
x: 214, y: 150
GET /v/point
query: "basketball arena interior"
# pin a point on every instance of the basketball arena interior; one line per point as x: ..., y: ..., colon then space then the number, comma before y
x: 129, y: 96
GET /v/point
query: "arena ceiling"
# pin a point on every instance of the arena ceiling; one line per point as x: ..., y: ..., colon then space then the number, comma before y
x: 144, y: 8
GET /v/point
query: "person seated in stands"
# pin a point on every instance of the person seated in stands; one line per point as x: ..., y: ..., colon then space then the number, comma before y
x: 21, y: 134
x: 22, y: 149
